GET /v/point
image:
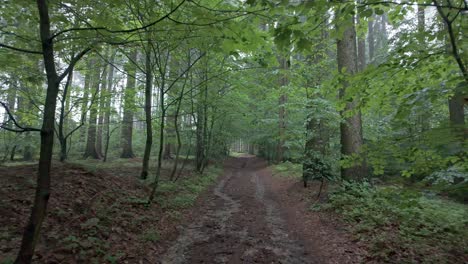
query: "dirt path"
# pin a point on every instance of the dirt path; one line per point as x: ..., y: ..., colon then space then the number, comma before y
x: 242, y: 221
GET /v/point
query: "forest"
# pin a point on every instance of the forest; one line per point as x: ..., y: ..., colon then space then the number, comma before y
x: 233, y: 131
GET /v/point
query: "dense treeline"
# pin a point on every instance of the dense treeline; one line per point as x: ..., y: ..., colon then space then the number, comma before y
x: 351, y: 90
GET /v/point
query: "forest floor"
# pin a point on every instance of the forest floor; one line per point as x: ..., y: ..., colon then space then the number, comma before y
x: 97, y: 215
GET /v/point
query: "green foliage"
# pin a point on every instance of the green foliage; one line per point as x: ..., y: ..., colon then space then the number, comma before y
x: 183, y: 193
x: 288, y: 169
x: 401, y: 225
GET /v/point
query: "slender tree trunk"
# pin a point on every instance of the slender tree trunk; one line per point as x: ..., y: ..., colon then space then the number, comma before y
x: 84, y: 105
x: 283, y: 81
x: 104, y: 96
x: 200, y: 128
x: 149, y: 128
x: 371, y: 39
x: 61, y: 134
x: 129, y: 105
x: 107, y: 116
x: 176, y: 128
x: 351, y: 126
x: 458, y: 101
x: 161, y: 141
x: 41, y: 198
x: 91, y: 151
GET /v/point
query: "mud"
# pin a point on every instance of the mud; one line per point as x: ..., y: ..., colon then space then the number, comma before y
x: 240, y: 222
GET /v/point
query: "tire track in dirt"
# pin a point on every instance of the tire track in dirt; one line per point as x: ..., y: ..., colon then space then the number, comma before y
x: 194, y: 233
x: 239, y: 224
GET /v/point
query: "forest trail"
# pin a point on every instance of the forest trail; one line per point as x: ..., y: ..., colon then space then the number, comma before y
x: 242, y: 222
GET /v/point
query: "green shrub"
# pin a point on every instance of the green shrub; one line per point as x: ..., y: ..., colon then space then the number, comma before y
x: 288, y: 169
x: 403, y: 225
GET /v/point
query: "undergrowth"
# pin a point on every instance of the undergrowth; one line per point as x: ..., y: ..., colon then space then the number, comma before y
x: 403, y: 226
x: 287, y: 169
x: 185, y: 191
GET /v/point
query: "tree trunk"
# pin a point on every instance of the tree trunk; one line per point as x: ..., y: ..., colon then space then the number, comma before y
x: 110, y: 90
x: 63, y: 110
x: 91, y: 151
x: 161, y: 140
x: 351, y: 127
x: 149, y: 128
x: 458, y: 100
x: 104, y: 96
x: 23, y: 107
x: 41, y: 198
x: 457, y: 116
x: 84, y: 105
x: 201, y: 125
x: 129, y: 105
x: 371, y: 40
x: 283, y: 81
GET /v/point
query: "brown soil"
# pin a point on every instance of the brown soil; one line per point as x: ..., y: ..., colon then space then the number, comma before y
x: 96, y: 217
x: 249, y: 216
x: 253, y: 217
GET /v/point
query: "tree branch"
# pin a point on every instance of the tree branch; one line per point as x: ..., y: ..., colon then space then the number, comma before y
x: 20, y: 49
x: 73, y: 61
x: 20, y: 129
x: 122, y: 30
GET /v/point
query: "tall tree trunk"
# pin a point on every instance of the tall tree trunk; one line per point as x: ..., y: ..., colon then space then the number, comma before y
x: 91, y: 151
x: 371, y: 39
x: 161, y: 139
x: 85, y: 102
x: 283, y: 81
x: 129, y: 105
x: 314, y: 149
x: 23, y: 107
x: 61, y: 125
x: 176, y: 128
x: 457, y: 101
x: 201, y: 125
x: 41, y: 198
x: 149, y: 128
x: 107, y: 114
x: 11, y: 99
x: 351, y: 126
x: 104, y: 96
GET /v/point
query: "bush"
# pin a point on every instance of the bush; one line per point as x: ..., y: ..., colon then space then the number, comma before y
x: 400, y: 225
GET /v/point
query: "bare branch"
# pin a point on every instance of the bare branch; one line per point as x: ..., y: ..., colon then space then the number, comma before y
x: 20, y: 49
x: 20, y: 129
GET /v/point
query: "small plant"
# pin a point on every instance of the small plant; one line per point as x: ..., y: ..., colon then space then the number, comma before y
x: 151, y: 236
x: 392, y: 219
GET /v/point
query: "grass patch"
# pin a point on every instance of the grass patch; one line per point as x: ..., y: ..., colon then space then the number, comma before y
x: 401, y: 225
x: 236, y: 154
x: 183, y: 193
x: 287, y: 169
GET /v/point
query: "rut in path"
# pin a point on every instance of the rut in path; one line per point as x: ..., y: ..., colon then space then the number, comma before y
x: 240, y: 223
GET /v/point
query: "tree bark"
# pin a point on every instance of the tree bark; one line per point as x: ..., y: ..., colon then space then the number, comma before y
x: 61, y: 125
x: 201, y: 124
x: 41, y: 198
x: 149, y: 128
x: 107, y: 116
x: 351, y: 126
x: 283, y: 81
x: 104, y: 96
x: 91, y: 151
x: 371, y: 40
x: 84, y: 105
x: 129, y: 105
